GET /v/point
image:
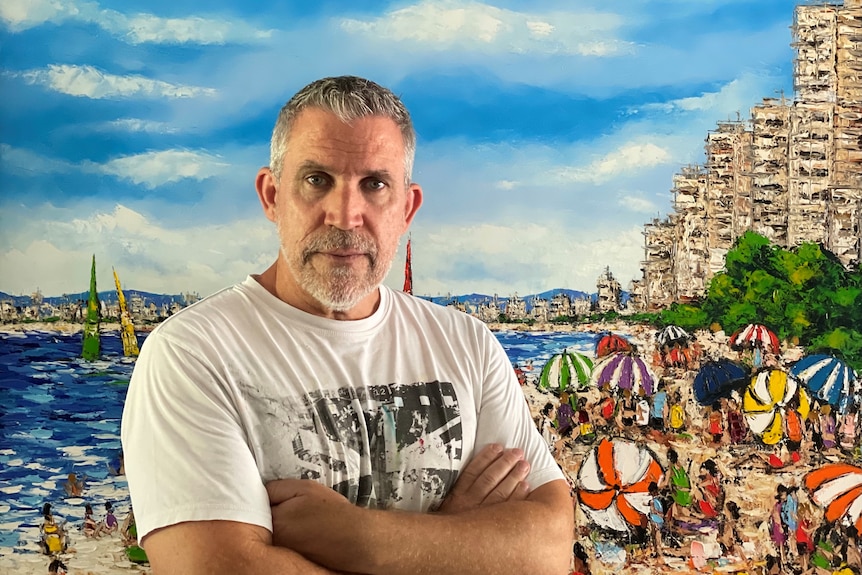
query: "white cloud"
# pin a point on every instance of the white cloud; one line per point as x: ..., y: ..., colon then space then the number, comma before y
x: 54, y: 253
x: 154, y: 169
x: 137, y: 125
x: 21, y: 15
x: 89, y: 82
x: 630, y: 157
x: 638, y: 204
x: 24, y: 14
x: 455, y: 24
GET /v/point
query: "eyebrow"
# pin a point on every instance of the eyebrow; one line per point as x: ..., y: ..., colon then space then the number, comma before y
x: 312, y: 166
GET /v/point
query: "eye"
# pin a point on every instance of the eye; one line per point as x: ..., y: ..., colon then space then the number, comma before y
x: 374, y: 185
x: 316, y: 180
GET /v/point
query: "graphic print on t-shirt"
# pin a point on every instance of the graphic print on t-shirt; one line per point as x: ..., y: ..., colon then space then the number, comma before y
x: 367, y: 443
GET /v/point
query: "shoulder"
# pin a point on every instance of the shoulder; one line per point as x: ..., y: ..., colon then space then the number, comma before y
x: 425, y: 310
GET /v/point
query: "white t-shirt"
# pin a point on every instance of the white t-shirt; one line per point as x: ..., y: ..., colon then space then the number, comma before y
x: 242, y: 388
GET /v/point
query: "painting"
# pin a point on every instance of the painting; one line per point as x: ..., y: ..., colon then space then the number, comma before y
x: 654, y: 205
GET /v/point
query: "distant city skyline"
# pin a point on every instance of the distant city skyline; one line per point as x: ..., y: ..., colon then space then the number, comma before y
x: 548, y: 131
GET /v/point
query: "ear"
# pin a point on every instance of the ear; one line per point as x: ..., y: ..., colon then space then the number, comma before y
x: 267, y: 191
x: 412, y: 203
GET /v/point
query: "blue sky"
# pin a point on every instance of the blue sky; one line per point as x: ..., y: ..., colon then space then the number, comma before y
x: 548, y: 131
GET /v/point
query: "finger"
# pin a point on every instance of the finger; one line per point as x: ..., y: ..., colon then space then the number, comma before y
x: 280, y: 490
x: 496, y: 473
x: 511, y: 486
x: 477, y: 466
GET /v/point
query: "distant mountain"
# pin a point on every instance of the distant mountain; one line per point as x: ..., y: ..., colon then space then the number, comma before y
x: 107, y: 296
x: 476, y: 299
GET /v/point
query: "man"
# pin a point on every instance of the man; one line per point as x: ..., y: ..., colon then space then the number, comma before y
x: 310, y: 420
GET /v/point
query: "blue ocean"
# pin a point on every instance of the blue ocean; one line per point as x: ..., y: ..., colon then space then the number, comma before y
x: 60, y: 414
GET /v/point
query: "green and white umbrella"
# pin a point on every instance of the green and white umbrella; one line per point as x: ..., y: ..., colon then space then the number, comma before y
x: 566, y: 371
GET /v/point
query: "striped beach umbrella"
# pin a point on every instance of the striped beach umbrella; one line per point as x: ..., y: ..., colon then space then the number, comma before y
x: 766, y: 399
x: 837, y: 487
x: 828, y: 379
x: 613, y: 484
x: 755, y: 336
x: 672, y: 334
x: 624, y: 371
x: 612, y: 343
x: 565, y: 371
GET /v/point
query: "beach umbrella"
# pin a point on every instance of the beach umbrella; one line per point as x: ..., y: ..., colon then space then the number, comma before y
x: 767, y: 398
x: 624, y: 371
x: 828, y: 379
x: 613, y: 484
x: 755, y: 336
x: 717, y: 379
x: 564, y: 371
x: 612, y: 343
x: 837, y: 487
x: 672, y: 334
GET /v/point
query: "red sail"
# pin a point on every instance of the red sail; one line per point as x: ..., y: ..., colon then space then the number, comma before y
x: 408, y: 271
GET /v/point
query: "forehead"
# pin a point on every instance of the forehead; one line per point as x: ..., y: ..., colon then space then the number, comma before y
x: 319, y: 135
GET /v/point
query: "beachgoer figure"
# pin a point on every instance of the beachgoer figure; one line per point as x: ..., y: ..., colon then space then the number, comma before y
x: 659, y: 409
x: 606, y: 410
x: 580, y: 560
x: 58, y: 567
x: 110, y: 524
x: 789, y: 515
x: 89, y: 527
x: 794, y: 429
x: 53, y: 538
x: 716, y: 423
x: 628, y: 409
x: 804, y: 536
x: 586, y: 430
x: 642, y: 412
x: 728, y: 530
x: 735, y: 422
x: 656, y: 518
x: 120, y: 468
x: 711, y: 489
x: 847, y: 431
x: 677, y: 414
x: 827, y: 427
x: 565, y: 415
x: 129, y: 530
x: 679, y: 480
x: 73, y: 486
x: 777, y: 529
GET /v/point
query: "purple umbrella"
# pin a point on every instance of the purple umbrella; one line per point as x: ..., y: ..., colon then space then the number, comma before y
x: 624, y: 371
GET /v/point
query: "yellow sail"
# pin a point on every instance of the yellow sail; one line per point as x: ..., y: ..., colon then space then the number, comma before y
x: 127, y: 328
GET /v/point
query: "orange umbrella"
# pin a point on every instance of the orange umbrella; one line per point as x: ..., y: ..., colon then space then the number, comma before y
x: 613, y: 483
x: 837, y: 487
x: 612, y: 343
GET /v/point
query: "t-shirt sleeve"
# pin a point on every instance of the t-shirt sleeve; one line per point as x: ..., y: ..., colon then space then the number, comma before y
x: 186, y: 455
x: 504, y: 417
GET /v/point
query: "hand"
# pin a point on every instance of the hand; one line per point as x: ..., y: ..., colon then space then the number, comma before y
x: 494, y: 475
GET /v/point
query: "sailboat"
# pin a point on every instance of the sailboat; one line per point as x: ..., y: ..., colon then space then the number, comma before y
x: 408, y: 270
x: 92, y: 346
x: 127, y: 328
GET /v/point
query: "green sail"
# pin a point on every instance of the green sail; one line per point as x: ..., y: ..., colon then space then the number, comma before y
x: 92, y: 346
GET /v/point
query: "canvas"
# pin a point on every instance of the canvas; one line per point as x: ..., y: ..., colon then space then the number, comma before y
x: 655, y: 196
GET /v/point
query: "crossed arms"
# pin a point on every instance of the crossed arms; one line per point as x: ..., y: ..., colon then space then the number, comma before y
x: 490, y: 521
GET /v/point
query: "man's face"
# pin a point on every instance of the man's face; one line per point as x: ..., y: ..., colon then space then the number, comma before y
x: 341, y: 207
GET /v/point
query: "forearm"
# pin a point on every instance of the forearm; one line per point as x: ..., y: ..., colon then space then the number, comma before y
x: 526, y: 536
x: 508, y: 538
x: 205, y: 547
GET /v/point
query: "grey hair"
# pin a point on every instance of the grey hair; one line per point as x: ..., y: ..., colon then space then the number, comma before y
x: 349, y: 98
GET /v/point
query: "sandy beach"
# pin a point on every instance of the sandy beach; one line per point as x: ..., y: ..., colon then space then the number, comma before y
x: 746, y: 478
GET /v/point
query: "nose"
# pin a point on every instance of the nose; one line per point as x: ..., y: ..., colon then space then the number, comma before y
x: 344, y: 206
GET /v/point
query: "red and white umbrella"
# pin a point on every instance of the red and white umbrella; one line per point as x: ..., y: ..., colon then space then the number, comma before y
x: 613, y: 484
x: 755, y: 335
x: 837, y: 487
